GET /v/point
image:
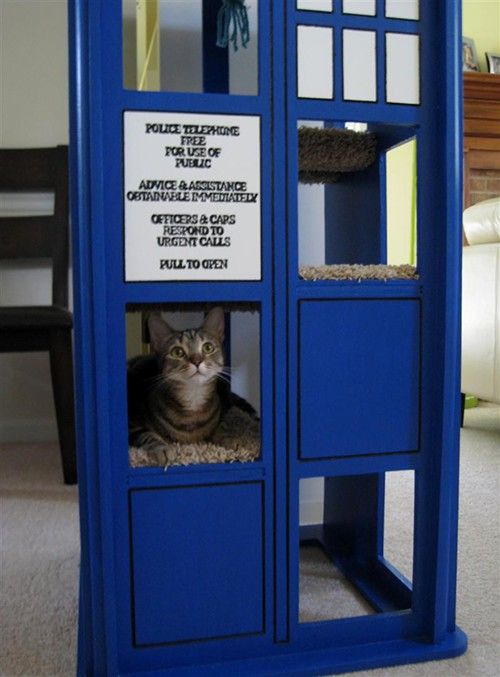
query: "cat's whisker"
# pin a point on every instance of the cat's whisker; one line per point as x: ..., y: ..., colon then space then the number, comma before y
x: 155, y: 381
x: 155, y: 387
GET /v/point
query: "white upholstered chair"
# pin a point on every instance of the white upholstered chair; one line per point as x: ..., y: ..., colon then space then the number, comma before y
x: 481, y: 301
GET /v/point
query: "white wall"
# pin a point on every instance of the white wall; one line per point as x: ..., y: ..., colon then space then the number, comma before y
x: 34, y: 112
x: 34, y: 72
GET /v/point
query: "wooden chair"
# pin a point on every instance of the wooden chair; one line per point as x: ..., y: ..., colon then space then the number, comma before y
x: 40, y: 328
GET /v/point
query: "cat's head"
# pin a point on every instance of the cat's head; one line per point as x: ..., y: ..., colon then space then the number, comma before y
x: 192, y: 355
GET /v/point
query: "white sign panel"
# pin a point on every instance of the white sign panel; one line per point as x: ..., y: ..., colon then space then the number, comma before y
x: 192, y: 193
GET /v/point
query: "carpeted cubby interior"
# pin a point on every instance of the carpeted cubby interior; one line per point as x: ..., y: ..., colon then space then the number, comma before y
x: 325, y: 154
x: 237, y: 439
x: 358, y: 272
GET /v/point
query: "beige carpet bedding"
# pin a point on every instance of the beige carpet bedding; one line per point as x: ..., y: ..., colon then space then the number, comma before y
x: 357, y: 272
x: 237, y: 439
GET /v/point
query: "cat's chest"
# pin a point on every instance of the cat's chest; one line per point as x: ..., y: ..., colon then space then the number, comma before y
x: 194, y: 397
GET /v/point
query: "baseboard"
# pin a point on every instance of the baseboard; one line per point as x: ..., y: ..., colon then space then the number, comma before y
x: 28, y: 430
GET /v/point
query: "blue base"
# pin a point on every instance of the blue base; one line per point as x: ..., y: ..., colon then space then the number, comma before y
x: 332, y: 661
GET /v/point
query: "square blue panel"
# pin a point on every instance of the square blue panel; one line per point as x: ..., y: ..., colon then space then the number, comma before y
x: 197, y: 562
x: 359, y: 377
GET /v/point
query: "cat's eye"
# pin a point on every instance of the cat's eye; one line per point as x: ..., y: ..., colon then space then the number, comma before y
x: 208, y: 348
x: 177, y: 352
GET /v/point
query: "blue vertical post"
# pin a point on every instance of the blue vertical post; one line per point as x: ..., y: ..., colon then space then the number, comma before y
x: 215, y: 59
x: 281, y: 158
x: 352, y: 218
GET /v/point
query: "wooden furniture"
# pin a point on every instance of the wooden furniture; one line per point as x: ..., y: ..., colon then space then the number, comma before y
x: 41, y: 328
x: 481, y: 130
x: 196, y: 570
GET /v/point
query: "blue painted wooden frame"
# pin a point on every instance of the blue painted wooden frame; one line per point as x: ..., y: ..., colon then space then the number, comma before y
x: 421, y: 120
x: 101, y: 295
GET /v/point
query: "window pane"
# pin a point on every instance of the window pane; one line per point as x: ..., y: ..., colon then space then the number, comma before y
x: 164, y: 48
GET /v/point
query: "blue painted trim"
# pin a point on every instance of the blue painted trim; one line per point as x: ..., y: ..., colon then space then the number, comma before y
x: 346, y: 289
x: 358, y: 465
x: 281, y: 157
x: 215, y: 59
x: 355, y: 21
x: 358, y: 111
x: 196, y: 474
x: 101, y: 296
x: 453, y: 180
x: 91, y: 653
x: 330, y: 661
x: 190, y: 102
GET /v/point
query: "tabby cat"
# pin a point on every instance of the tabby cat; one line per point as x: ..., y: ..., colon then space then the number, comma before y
x: 178, y: 392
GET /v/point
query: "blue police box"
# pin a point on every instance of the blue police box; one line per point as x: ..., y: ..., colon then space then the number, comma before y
x: 241, y: 155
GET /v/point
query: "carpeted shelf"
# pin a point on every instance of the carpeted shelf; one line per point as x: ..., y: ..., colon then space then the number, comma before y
x: 358, y: 272
x: 325, y: 154
x: 236, y: 440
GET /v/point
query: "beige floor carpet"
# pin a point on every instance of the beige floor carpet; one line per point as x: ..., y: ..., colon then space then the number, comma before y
x: 40, y: 553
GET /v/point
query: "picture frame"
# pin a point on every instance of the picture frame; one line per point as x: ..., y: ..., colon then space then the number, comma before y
x: 493, y: 62
x: 469, y: 55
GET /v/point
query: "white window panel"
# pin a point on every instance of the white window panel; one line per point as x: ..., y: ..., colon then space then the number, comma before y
x: 315, y: 62
x: 360, y: 65
x: 366, y: 7
x: 402, y: 9
x: 403, y: 68
x: 315, y: 5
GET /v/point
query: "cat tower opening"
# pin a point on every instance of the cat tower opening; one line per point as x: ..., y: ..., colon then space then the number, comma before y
x: 346, y: 160
x: 237, y: 438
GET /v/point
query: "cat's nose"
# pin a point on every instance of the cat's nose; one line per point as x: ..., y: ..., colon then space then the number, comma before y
x: 196, y: 360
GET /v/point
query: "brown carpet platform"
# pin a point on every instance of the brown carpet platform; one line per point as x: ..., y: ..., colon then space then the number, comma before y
x: 236, y: 440
x: 325, y: 154
x: 358, y: 272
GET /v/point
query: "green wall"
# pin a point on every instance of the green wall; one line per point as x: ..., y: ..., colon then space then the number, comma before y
x: 401, y: 204
x: 481, y: 22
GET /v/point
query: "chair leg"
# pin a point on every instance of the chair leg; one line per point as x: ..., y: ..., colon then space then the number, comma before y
x: 61, y: 367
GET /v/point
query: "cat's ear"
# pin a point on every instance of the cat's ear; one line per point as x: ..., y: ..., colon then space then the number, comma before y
x: 214, y: 323
x: 159, y: 332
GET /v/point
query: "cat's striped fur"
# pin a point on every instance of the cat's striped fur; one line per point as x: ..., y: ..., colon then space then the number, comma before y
x: 174, y: 393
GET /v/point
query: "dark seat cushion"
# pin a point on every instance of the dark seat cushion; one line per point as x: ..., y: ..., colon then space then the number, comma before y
x: 35, y: 317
